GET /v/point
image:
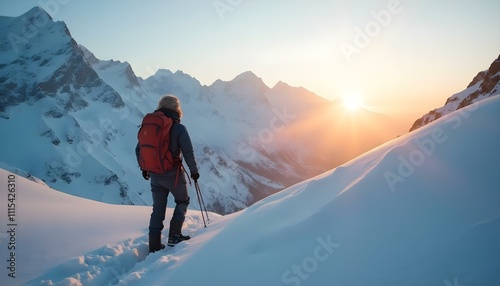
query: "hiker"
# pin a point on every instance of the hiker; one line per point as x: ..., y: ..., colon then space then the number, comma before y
x: 172, y: 181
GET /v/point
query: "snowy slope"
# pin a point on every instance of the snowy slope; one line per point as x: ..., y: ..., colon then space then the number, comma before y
x: 422, y: 209
x: 53, y: 228
x: 358, y: 225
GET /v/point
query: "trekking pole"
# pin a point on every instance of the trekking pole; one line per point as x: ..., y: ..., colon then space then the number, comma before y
x: 204, y: 206
x: 201, y: 202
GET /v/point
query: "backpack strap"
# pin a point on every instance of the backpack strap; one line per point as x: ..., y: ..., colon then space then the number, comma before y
x: 182, y: 170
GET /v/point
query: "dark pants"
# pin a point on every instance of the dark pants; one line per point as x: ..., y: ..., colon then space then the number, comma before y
x: 161, y: 186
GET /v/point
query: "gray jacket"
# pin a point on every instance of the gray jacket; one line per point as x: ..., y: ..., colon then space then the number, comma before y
x: 180, y: 142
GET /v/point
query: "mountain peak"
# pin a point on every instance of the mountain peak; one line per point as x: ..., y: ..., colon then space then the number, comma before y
x: 163, y: 72
x: 23, y: 33
x: 38, y: 12
x: 492, y: 71
x: 247, y: 76
x: 250, y: 78
x: 280, y: 84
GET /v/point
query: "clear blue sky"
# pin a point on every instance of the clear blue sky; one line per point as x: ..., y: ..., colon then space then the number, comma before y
x: 407, y: 55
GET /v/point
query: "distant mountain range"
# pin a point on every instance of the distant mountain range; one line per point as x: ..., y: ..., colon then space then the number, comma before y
x: 485, y: 84
x: 71, y: 120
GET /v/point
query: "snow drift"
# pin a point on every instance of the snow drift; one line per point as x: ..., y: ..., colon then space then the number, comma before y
x: 422, y: 209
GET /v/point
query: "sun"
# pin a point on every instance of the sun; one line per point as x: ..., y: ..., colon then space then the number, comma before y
x: 352, y: 102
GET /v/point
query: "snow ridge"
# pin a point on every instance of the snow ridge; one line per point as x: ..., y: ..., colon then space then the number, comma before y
x: 485, y: 84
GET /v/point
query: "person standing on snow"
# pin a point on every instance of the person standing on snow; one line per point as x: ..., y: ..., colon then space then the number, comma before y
x: 172, y: 181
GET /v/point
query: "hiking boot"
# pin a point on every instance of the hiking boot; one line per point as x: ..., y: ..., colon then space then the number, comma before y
x: 176, y: 238
x: 152, y: 250
x: 155, y: 242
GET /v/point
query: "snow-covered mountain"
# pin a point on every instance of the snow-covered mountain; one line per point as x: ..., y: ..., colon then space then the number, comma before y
x: 40, y: 59
x: 422, y: 209
x: 75, y: 118
x: 485, y: 84
x: 47, y: 95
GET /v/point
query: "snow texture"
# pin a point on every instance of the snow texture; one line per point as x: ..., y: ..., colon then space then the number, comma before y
x: 422, y: 209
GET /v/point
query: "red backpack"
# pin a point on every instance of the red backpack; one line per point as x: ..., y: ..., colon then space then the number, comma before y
x: 154, y: 141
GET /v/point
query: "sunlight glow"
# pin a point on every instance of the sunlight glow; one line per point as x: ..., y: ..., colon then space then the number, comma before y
x: 352, y: 102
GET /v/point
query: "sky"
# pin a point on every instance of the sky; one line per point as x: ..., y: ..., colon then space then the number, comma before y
x: 401, y: 57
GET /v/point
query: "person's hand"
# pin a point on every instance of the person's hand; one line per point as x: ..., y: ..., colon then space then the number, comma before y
x: 145, y: 175
x: 195, y: 176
